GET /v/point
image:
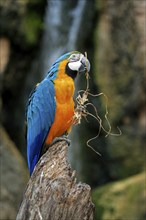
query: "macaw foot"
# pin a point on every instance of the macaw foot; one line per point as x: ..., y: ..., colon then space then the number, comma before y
x: 62, y: 138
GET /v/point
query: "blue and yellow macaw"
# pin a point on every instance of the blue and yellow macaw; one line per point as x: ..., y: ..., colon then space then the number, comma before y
x: 50, y: 107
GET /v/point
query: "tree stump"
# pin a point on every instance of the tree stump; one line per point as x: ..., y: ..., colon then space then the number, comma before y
x: 52, y: 192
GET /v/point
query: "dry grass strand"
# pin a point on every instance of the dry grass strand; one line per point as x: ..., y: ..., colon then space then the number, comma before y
x: 81, y: 112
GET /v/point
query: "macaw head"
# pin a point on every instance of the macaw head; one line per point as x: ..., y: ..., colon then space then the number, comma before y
x: 77, y: 63
x: 72, y: 63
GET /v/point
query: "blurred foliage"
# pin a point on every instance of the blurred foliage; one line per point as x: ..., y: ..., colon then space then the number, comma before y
x: 21, y: 24
x: 24, y: 21
x: 117, y: 72
x: 31, y: 27
x: 32, y: 23
x: 122, y: 200
x: 14, y: 177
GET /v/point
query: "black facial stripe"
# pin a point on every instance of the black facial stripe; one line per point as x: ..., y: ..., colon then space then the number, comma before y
x: 71, y: 73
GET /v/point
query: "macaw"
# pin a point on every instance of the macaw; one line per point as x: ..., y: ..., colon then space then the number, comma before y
x: 50, y: 108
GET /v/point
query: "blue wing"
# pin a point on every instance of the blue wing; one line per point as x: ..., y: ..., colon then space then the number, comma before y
x: 40, y: 116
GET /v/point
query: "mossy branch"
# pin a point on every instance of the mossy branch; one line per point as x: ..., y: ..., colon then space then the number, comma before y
x: 52, y: 192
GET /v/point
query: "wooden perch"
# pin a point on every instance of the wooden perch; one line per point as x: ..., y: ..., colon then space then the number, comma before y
x: 52, y: 192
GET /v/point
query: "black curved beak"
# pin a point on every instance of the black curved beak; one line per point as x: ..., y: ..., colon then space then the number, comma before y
x: 85, y: 65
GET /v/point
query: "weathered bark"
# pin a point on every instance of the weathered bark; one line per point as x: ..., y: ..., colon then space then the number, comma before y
x: 52, y: 192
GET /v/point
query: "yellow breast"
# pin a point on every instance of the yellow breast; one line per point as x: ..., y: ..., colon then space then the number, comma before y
x: 64, y: 88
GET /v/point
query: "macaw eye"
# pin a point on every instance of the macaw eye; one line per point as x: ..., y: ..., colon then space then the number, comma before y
x: 74, y: 57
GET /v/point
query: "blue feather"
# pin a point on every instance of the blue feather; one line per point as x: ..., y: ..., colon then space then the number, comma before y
x: 40, y: 116
x: 54, y: 67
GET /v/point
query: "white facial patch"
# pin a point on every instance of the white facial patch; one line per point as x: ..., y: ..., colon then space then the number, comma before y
x: 75, y: 65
